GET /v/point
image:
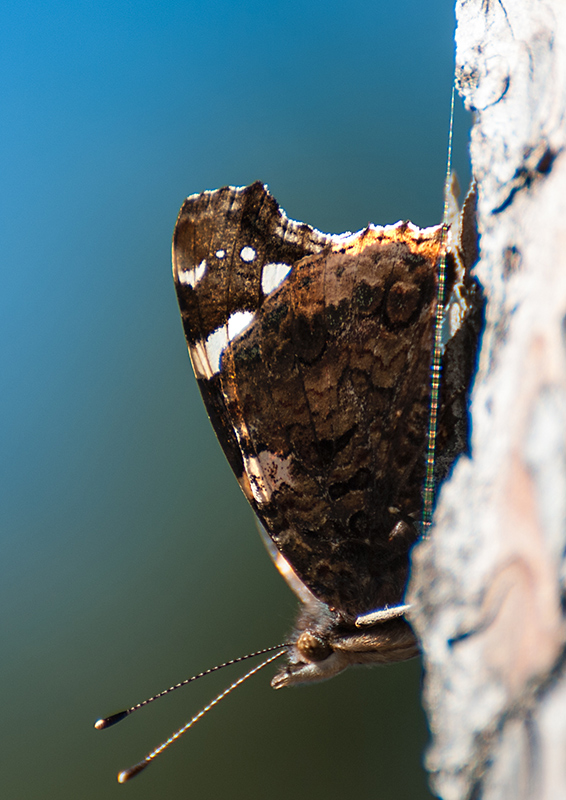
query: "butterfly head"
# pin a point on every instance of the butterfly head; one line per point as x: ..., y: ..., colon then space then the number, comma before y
x: 325, y: 642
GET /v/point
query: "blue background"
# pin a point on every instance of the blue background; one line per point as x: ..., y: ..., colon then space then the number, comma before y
x: 129, y: 560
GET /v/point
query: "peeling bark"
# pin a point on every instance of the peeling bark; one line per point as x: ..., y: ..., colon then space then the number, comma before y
x: 488, y: 584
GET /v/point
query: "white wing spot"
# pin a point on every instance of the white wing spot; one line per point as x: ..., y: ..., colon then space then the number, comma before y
x: 199, y: 271
x: 237, y: 322
x: 266, y: 473
x: 199, y: 359
x: 220, y: 254
x: 215, y: 346
x: 273, y: 276
x: 218, y: 341
x: 192, y: 276
x: 247, y: 254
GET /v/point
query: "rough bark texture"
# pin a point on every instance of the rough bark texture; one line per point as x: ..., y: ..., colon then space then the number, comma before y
x: 488, y: 585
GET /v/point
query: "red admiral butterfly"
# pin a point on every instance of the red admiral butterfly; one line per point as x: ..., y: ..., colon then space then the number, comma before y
x: 313, y: 356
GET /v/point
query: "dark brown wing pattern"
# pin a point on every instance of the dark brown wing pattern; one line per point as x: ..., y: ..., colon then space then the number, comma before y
x: 312, y: 353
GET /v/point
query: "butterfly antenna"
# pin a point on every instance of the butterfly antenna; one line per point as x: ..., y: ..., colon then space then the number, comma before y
x: 107, y: 722
x: 126, y: 774
x: 436, y: 365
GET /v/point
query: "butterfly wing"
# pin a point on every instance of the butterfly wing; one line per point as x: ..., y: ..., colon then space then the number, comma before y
x: 312, y: 354
x: 214, y: 282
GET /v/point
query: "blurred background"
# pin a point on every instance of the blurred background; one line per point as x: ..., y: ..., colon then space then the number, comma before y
x: 129, y: 559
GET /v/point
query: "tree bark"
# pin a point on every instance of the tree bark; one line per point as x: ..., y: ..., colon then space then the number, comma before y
x: 488, y: 584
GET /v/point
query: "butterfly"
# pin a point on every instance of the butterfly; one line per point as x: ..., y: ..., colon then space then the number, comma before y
x: 312, y: 353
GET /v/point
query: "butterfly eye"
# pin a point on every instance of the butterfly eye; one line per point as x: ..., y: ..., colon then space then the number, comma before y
x: 313, y: 648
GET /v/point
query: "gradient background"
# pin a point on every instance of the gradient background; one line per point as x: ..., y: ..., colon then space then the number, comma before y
x: 129, y: 558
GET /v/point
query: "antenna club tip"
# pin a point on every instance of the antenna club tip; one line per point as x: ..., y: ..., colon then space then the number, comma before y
x: 126, y: 774
x: 101, y: 724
